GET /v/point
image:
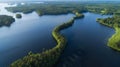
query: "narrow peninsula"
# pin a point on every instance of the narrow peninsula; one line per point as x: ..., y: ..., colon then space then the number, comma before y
x: 49, y: 57
x: 6, y: 20
x: 18, y: 16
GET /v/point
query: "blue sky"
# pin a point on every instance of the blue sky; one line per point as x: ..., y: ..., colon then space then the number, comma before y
x: 59, y: 0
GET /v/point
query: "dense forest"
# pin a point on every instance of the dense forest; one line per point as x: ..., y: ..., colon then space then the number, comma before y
x: 6, y: 20
x: 50, y: 8
x: 63, y: 8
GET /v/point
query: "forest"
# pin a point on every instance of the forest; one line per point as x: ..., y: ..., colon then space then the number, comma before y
x: 64, y: 8
x: 6, y: 20
x: 18, y: 16
x: 52, y: 9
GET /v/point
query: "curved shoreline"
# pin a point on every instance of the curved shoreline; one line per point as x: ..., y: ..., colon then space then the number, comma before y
x: 49, y: 57
x: 114, y: 40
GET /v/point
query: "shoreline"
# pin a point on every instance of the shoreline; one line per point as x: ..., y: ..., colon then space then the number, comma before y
x: 114, y: 39
x: 44, y: 59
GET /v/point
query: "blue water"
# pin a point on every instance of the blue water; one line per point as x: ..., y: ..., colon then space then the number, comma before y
x: 30, y: 33
x: 87, y: 44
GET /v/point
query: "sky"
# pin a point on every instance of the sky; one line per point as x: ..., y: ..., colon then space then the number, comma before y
x: 59, y: 0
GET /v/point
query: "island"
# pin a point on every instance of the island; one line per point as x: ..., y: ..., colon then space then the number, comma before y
x: 6, y: 20
x: 48, y: 8
x: 53, y: 8
x: 78, y: 15
x: 50, y: 57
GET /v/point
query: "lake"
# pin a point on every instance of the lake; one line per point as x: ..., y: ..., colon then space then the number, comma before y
x: 30, y: 33
x: 87, y: 44
x: 87, y: 39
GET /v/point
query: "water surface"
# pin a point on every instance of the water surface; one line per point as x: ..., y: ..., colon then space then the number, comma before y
x: 30, y: 33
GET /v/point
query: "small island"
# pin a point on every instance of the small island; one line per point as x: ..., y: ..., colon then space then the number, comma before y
x: 51, y: 56
x: 6, y: 20
x: 18, y: 16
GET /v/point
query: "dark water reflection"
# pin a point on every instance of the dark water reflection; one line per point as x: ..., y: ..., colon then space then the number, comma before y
x: 87, y: 47
x: 31, y: 33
